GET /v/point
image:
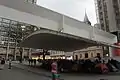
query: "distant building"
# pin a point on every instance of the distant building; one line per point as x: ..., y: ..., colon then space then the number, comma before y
x: 108, y: 15
x: 88, y: 53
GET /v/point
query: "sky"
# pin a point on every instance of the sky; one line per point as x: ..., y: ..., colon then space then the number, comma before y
x: 72, y: 8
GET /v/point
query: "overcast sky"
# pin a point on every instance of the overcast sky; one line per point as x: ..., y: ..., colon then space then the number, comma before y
x: 73, y: 8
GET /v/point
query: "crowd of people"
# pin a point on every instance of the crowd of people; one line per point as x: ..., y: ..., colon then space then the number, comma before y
x: 32, y: 62
x: 88, y: 66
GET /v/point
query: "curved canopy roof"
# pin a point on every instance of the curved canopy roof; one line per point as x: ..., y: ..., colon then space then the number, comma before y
x: 52, y: 40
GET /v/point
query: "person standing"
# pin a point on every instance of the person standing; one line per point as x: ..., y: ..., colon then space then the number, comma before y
x: 10, y: 63
x: 54, y: 70
x: 2, y: 63
x: 34, y: 62
x: 29, y: 62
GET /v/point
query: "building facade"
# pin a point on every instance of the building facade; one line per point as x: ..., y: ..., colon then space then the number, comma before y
x: 108, y: 15
x: 88, y: 53
x: 11, y: 34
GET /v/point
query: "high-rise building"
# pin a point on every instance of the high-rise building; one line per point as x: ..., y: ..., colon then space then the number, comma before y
x: 108, y: 15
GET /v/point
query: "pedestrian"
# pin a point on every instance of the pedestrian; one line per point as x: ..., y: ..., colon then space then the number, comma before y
x: 10, y: 63
x: 2, y: 63
x: 29, y: 62
x: 34, y: 62
x: 54, y: 69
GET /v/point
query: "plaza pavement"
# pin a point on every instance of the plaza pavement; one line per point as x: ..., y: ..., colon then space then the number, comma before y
x: 19, y: 74
x: 66, y: 76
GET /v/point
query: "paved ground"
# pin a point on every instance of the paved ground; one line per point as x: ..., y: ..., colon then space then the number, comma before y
x: 18, y: 73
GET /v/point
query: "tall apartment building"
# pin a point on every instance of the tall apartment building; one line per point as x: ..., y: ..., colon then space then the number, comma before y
x: 108, y: 15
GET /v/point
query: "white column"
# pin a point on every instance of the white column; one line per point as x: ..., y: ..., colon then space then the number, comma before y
x: 29, y: 53
x: 93, y: 32
x: 15, y: 53
x: 110, y: 51
x: 23, y: 53
x: 7, y: 50
x: 61, y: 26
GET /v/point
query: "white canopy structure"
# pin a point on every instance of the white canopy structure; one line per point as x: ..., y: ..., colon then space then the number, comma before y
x: 58, y: 32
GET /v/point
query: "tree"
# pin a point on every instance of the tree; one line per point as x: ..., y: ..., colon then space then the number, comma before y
x: 18, y: 33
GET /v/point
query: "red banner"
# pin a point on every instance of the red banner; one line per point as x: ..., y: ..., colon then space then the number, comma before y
x: 116, y: 51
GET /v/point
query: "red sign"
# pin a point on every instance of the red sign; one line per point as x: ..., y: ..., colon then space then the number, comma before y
x: 116, y: 51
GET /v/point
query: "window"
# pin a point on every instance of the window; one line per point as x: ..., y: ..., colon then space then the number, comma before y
x: 14, y: 22
x: 5, y: 24
x: 6, y: 20
x: 86, y: 55
x: 76, y: 57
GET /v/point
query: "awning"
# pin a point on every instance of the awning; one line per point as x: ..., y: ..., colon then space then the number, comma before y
x: 52, y: 40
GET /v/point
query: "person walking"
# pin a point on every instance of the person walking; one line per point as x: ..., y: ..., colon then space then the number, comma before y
x: 54, y: 70
x: 2, y: 63
x: 34, y: 62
